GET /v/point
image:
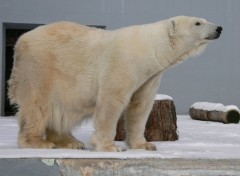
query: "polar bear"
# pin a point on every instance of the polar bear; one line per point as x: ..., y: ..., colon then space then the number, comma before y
x: 64, y: 72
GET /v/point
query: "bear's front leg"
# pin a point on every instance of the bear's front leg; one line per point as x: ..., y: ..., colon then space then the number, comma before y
x: 108, y: 111
x: 138, y: 112
x: 137, y: 116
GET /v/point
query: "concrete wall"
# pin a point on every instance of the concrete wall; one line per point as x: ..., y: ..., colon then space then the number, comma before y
x: 213, y: 76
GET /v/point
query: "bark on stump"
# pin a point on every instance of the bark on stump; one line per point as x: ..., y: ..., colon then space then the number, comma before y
x: 161, y: 124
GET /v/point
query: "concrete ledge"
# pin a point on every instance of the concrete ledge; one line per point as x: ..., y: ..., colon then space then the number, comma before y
x: 112, y: 167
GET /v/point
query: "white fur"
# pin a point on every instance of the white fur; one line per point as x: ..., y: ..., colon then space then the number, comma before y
x: 64, y: 72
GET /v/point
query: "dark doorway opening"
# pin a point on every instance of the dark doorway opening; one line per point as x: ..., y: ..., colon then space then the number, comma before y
x: 11, y: 33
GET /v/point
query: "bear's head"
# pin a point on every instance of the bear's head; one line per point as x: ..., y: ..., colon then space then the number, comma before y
x: 192, y: 32
x: 193, y: 28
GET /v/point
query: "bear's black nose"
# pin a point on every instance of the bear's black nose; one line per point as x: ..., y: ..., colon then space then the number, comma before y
x: 219, y: 29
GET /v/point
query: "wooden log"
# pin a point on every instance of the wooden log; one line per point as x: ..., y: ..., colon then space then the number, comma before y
x: 161, y: 124
x: 214, y: 112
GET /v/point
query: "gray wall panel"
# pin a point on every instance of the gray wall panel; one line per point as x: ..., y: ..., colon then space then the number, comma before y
x: 213, y: 76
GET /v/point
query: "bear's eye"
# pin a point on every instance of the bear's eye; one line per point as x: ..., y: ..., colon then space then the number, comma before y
x: 197, y: 23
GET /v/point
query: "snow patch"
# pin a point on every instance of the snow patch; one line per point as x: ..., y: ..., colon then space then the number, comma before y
x: 214, y: 106
x: 163, y: 97
x: 197, y: 139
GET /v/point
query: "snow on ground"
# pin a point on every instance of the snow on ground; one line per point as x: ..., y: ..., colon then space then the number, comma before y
x: 197, y: 139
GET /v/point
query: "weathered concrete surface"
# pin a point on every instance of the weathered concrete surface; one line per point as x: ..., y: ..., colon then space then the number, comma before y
x: 118, y: 167
x: 148, y: 167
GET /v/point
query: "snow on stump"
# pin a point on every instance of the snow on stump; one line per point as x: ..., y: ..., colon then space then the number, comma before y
x: 161, y: 124
x: 214, y: 112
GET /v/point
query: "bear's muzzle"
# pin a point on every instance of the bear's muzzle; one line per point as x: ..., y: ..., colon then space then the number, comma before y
x: 216, y: 34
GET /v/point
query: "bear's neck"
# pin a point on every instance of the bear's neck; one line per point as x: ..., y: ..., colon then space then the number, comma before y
x: 173, y: 51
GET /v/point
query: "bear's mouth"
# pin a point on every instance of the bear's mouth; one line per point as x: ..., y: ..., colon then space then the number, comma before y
x: 216, y: 35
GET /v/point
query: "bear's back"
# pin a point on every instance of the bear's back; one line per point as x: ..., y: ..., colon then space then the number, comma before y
x: 63, y: 31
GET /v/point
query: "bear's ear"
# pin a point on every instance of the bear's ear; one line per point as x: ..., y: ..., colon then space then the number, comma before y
x: 171, y: 27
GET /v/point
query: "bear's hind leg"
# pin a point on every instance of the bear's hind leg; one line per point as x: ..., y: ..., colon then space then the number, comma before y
x: 63, y: 140
x: 32, y: 126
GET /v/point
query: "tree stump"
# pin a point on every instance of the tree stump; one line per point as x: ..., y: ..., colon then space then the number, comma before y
x: 161, y: 124
x: 214, y: 112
